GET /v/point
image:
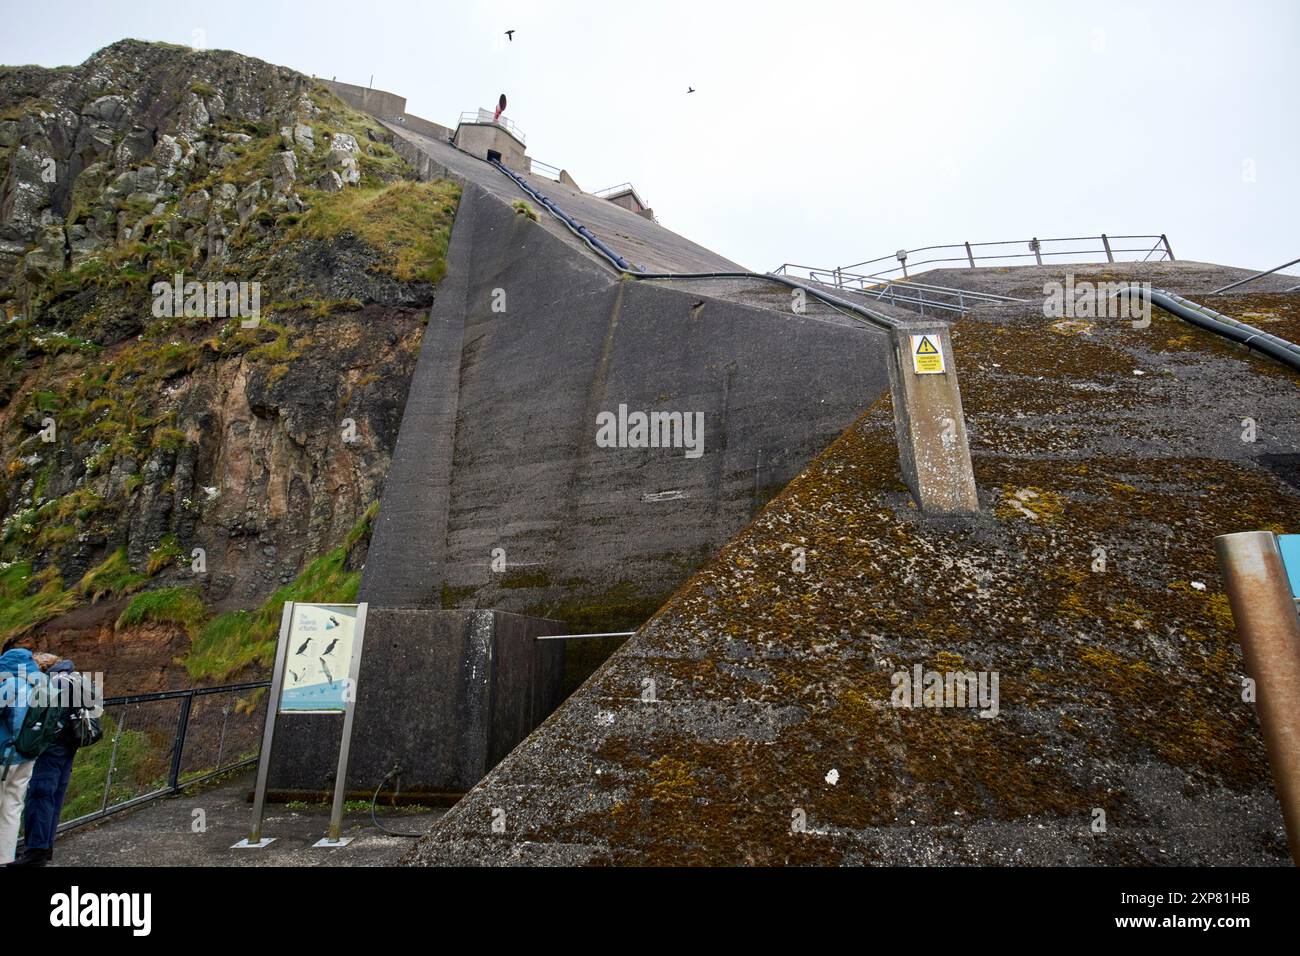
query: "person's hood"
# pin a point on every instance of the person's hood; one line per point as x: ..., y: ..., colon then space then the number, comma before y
x: 17, y: 658
x: 62, y: 667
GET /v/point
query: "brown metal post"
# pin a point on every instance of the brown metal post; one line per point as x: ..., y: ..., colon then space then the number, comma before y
x: 1269, y: 631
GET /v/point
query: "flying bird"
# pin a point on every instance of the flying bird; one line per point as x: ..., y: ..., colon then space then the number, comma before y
x: 690, y: 89
x: 511, y: 35
x: 331, y: 646
x: 304, y: 645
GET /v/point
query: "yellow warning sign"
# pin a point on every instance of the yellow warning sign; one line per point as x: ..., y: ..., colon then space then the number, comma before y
x: 927, y: 357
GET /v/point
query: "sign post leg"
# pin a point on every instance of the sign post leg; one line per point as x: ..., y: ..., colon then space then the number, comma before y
x: 255, y: 840
x: 335, y: 838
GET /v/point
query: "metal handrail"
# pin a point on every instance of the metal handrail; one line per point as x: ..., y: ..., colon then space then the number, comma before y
x: 899, y: 291
x: 174, y: 783
x: 611, y: 190
x: 1259, y: 275
x: 1036, y: 252
x: 544, y: 169
x: 484, y: 117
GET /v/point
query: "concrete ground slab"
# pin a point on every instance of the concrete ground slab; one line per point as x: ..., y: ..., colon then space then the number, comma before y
x: 162, y: 833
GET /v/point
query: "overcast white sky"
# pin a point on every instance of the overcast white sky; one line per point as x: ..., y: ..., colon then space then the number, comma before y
x: 824, y: 133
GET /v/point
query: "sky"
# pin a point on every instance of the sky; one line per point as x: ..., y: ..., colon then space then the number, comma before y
x: 824, y: 133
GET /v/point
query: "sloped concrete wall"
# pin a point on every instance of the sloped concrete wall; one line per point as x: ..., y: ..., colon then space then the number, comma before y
x: 498, y: 446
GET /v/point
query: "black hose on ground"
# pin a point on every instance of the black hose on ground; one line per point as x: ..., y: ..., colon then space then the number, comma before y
x: 375, y: 799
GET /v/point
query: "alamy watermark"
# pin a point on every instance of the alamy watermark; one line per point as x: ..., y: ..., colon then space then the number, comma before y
x: 77, y: 690
x: 651, y: 430
x: 971, y: 689
x: 210, y: 300
x: 1098, y: 300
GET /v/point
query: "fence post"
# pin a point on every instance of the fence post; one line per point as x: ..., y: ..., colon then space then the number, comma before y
x: 221, y: 743
x: 1169, y: 252
x: 1035, y: 246
x: 969, y: 256
x: 182, y: 724
x: 1106, y: 242
x: 112, y: 759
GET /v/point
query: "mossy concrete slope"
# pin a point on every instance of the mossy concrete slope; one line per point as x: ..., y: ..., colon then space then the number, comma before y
x: 753, y: 720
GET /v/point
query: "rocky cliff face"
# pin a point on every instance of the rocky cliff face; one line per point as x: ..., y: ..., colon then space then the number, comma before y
x: 213, y: 278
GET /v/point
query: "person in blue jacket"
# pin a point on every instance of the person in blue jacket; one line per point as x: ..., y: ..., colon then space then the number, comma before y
x: 50, y: 777
x: 17, y: 664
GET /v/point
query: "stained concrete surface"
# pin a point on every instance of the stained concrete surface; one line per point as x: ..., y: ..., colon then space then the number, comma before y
x: 497, y: 448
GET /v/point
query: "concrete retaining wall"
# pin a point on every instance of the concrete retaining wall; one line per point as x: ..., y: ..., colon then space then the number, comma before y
x: 378, y: 103
x: 442, y: 694
x: 386, y: 106
x: 424, y: 127
x: 498, y: 445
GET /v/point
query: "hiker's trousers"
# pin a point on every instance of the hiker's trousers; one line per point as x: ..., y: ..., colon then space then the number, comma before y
x: 45, y: 795
x: 13, y: 791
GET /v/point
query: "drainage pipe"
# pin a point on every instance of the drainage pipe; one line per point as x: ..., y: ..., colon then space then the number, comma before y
x: 1257, y: 340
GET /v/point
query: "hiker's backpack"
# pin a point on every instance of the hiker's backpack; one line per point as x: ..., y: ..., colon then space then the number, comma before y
x: 80, y: 727
x: 43, y: 720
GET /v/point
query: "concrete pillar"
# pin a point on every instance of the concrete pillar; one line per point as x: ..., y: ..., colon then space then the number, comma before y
x: 932, y: 447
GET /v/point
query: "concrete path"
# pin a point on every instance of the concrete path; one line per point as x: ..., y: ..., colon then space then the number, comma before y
x: 162, y: 833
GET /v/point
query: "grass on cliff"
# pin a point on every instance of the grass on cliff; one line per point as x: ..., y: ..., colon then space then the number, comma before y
x: 234, y: 640
x: 408, y: 222
x: 27, y: 600
x: 110, y: 577
x: 21, y: 611
x: 176, y: 605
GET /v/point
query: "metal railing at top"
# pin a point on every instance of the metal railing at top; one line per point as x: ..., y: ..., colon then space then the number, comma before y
x: 1003, y: 252
x: 899, y: 292
x: 157, y: 744
x: 612, y: 190
x: 544, y: 169
x: 1260, y: 275
x: 485, y: 116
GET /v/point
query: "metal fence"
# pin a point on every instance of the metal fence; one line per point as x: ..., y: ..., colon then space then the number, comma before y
x: 910, y: 295
x: 544, y: 169
x: 157, y: 744
x: 1103, y: 248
